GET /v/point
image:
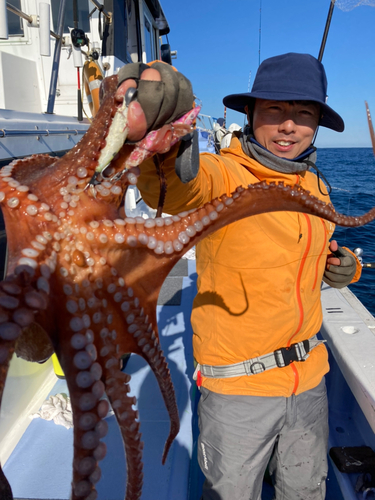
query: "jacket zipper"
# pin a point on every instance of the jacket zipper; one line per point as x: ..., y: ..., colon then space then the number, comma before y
x: 299, y: 299
x: 320, y: 255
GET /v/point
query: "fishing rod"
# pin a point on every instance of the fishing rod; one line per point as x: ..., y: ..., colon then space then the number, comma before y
x: 323, y: 44
x: 326, y: 30
x: 371, y: 127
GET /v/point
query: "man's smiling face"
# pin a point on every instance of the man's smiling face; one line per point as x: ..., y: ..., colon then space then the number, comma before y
x: 286, y: 128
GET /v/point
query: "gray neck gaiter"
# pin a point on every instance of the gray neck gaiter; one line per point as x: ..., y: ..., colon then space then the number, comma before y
x: 273, y: 162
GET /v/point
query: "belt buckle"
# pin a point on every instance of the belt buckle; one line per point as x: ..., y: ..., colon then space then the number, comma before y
x: 288, y: 354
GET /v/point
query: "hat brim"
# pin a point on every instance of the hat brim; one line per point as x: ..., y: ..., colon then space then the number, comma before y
x: 330, y: 118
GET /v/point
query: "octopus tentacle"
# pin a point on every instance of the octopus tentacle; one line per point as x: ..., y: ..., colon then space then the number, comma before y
x: 83, y: 376
x: 260, y: 198
x: 161, y: 235
x: 117, y: 389
x: 22, y: 296
x: 148, y: 342
x: 139, y: 326
x: 20, y: 299
x: 160, y: 368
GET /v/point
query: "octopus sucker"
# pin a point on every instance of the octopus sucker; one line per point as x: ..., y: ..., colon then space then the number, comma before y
x: 83, y: 281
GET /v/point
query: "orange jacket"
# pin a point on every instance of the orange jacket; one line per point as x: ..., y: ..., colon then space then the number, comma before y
x: 258, y: 279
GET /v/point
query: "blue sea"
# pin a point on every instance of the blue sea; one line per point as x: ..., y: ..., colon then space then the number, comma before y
x: 351, y: 174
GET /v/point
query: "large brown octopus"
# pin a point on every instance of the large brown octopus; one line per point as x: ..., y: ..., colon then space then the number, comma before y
x: 83, y: 281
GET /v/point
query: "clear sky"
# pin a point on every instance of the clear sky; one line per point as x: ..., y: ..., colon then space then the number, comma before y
x: 217, y: 42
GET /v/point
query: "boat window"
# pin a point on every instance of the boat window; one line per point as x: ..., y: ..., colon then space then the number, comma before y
x: 133, y: 31
x: 15, y: 23
x: 83, y: 15
x: 150, y: 36
x: 150, y: 52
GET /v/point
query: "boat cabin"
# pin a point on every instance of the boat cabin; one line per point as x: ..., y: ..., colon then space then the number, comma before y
x: 111, y: 34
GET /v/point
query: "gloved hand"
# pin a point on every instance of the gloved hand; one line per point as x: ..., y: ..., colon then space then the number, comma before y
x: 340, y: 267
x: 163, y: 95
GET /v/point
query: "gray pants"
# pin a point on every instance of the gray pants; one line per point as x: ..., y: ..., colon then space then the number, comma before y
x: 239, y: 435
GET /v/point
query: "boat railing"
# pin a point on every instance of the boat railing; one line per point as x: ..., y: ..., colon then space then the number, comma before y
x: 107, y: 15
x: 22, y: 133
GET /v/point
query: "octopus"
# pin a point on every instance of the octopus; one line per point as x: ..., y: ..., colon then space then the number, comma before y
x: 82, y: 281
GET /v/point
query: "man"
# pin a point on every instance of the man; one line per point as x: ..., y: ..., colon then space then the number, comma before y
x: 257, y: 312
x: 219, y: 133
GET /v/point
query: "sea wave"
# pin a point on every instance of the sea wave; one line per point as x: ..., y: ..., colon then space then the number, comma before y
x: 351, y: 173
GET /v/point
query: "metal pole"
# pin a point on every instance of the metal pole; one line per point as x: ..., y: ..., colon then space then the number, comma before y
x: 19, y: 13
x: 326, y: 29
x: 56, y: 58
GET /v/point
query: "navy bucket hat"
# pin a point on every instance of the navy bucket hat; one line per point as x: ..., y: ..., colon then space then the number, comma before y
x: 290, y: 77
